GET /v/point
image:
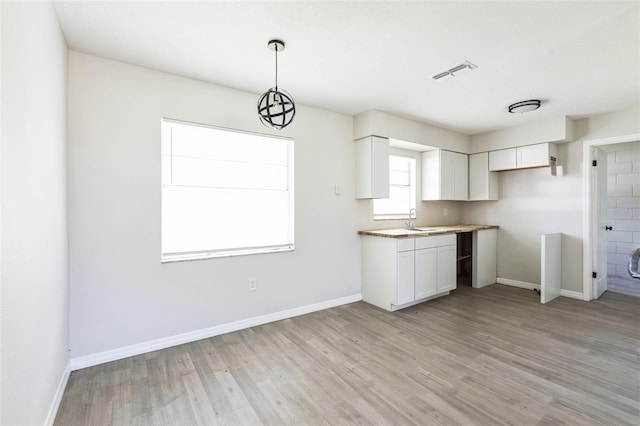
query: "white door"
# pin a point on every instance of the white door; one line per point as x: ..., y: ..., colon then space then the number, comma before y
x: 599, y: 222
x: 426, y: 277
x: 405, y: 278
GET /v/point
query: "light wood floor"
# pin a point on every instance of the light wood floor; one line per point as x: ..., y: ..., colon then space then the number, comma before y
x: 480, y: 356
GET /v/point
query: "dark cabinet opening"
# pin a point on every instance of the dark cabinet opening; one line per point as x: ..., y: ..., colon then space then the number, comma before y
x: 464, y: 261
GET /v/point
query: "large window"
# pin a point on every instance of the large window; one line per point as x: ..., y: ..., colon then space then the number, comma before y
x: 402, y: 190
x: 224, y: 192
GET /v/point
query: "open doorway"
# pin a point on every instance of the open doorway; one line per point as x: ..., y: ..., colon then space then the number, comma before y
x: 603, y: 258
x: 622, y: 214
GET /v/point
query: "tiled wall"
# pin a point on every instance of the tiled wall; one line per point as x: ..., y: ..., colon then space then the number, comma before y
x: 623, y: 206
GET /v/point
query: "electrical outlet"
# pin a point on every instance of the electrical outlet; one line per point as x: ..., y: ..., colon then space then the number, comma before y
x: 253, y: 284
x: 338, y: 189
x: 446, y: 212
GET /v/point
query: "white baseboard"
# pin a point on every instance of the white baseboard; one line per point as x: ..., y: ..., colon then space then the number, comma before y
x: 572, y: 294
x: 57, y: 398
x: 530, y: 286
x: 519, y: 284
x: 179, y: 339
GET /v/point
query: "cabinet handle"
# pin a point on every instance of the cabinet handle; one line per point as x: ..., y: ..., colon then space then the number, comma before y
x: 608, y: 228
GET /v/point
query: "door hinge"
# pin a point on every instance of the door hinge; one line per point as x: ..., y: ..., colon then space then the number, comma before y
x: 594, y: 275
x: 594, y: 163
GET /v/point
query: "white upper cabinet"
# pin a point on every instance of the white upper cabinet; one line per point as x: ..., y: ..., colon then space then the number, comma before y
x: 460, y: 176
x: 538, y: 155
x: 444, y: 175
x: 504, y: 159
x: 372, y: 167
x: 522, y: 157
x: 483, y: 184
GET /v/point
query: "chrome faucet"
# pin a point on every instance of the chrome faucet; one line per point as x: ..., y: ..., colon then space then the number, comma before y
x: 409, y: 225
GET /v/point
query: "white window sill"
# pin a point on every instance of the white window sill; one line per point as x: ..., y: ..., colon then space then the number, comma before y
x: 187, y: 257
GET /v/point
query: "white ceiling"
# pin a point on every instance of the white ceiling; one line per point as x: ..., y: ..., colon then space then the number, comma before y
x: 579, y: 58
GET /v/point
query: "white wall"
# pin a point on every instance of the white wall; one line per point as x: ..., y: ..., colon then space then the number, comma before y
x: 120, y: 292
x: 555, y: 129
x: 34, y: 256
x: 390, y: 126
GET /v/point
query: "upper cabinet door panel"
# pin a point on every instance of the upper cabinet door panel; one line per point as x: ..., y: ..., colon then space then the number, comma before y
x: 483, y: 184
x: 447, y: 175
x: 538, y: 155
x: 372, y: 167
x: 461, y: 177
x: 444, y: 175
x: 504, y: 159
x: 380, y: 166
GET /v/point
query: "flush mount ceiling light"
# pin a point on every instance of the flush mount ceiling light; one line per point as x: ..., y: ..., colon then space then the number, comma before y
x: 524, y: 106
x: 276, y: 108
x: 455, y: 71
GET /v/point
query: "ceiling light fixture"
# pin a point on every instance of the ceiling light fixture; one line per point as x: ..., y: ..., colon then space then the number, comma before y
x: 524, y: 106
x: 276, y: 108
x: 455, y: 71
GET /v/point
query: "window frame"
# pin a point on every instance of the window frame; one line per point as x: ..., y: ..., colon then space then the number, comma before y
x: 413, y: 176
x: 180, y: 256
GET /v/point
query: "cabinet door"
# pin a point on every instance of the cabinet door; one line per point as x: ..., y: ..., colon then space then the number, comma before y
x: 431, y: 175
x: 460, y: 176
x: 533, y: 156
x: 426, y: 277
x: 504, y: 159
x: 446, y: 268
x: 483, y: 184
x: 372, y: 167
x: 447, y: 175
x: 380, y: 167
x: 484, y: 262
x: 405, y: 280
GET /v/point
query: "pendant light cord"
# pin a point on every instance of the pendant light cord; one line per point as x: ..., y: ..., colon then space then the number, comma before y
x: 276, y: 68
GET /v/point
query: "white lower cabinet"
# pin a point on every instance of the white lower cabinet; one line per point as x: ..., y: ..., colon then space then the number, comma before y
x: 398, y: 272
x: 406, y: 280
x: 426, y: 272
x: 447, y: 273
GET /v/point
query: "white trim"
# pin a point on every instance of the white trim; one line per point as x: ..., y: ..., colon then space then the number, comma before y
x: 519, y: 284
x: 587, y: 257
x: 416, y: 302
x: 572, y: 294
x: 191, y: 336
x: 530, y: 286
x: 57, y: 397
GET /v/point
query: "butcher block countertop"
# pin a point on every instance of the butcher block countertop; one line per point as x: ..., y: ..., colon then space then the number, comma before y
x: 425, y: 231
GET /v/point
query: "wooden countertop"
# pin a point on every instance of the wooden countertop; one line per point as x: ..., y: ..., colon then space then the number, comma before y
x: 425, y: 231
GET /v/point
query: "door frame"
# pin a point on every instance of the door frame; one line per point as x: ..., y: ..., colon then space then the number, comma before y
x: 588, y: 216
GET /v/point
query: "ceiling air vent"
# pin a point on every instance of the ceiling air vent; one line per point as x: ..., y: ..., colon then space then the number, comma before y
x: 455, y: 71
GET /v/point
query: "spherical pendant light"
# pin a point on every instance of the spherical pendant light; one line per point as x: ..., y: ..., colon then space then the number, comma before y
x: 276, y: 107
